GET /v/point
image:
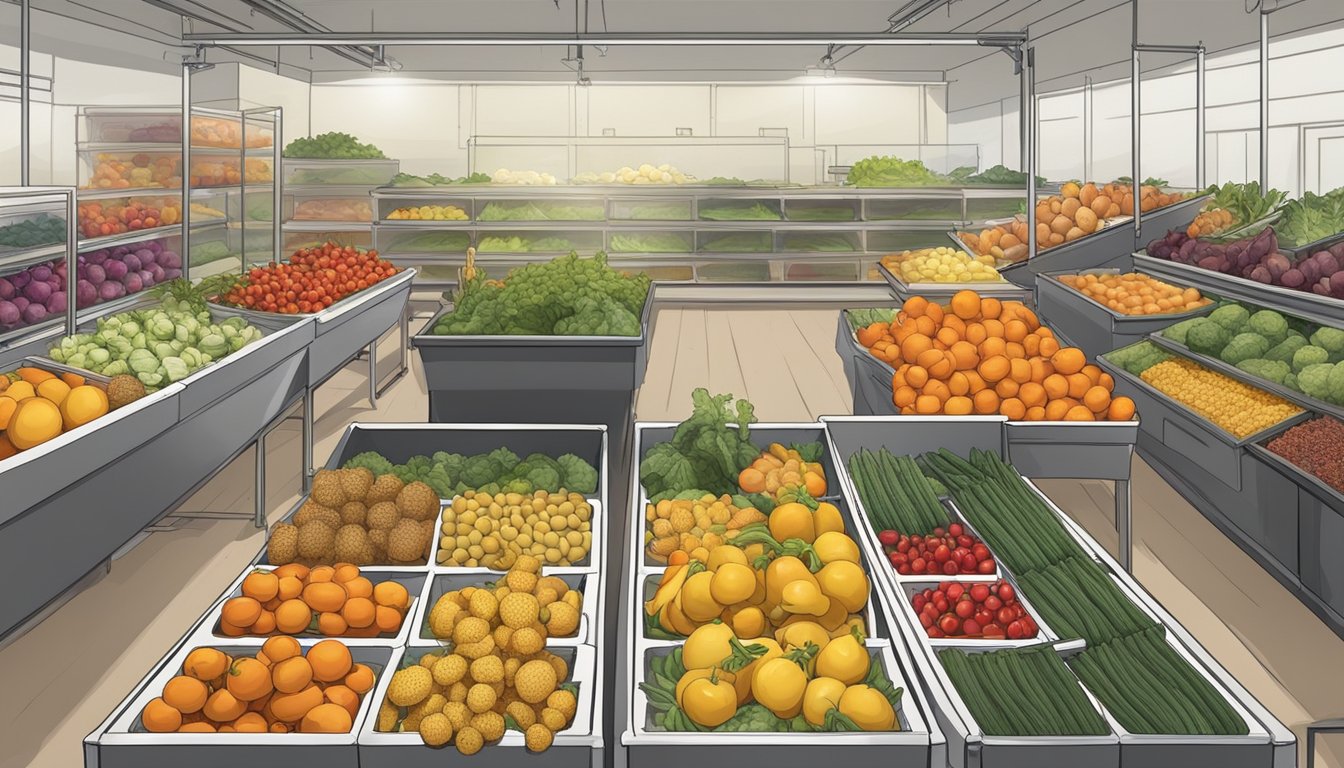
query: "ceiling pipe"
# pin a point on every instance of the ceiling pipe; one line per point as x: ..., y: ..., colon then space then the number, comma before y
x: 363, y: 55
x: 984, y: 39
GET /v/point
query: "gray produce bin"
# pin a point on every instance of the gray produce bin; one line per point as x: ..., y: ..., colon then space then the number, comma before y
x: 1184, y: 431
x: 1093, y: 327
x: 122, y: 741
x: 284, y: 339
x: 1304, y: 304
x: 578, y: 746
x: 943, y: 292
x: 918, y: 743
x: 1295, y: 252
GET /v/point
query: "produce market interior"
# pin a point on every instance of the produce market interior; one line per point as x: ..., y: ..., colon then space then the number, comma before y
x: 941, y: 383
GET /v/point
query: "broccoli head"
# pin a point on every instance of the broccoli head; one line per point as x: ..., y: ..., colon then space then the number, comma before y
x: 1270, y: 324
x: 1308, y: 355
x: 370, y: 460
x: 1270, y: 370
x: 1335, y: 384
x: 579, y: 475
x: 543, y: 477
x: 507, y: 459
x: 1177, y: 331
x: 480, y: 470
x: 1208, y: 338
x: 489, y: 488
x: 518, y: 485
x: 1329, y: 339
x: 1290, y: 381
x: 1244, y: 346
x: 1231, y: 316
x: 450, y: 462
x: 1314, y: 380
x: 1284, y: 350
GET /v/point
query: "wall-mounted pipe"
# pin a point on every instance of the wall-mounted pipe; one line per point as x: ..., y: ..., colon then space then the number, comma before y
x: 1264, y: 100
x: 25, y: 95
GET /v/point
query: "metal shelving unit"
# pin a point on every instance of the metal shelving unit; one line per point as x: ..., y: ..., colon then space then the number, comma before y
x: 330, y: 199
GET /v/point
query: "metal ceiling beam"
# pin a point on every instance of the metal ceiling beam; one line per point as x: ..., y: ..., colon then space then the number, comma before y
x: 327, y: 39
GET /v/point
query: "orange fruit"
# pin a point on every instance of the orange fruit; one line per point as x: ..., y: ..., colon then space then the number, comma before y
x: 1032, y: 394
x: 248, y: 679
x: 297, y: 570
x: 324, y: 596
x: 185, y: 694
x: 358, y: 587
x: 332, y: 624
x: 1020, y: 369
x: 293, y: 617
x: 947, y: 337
x: 977, y: 333
x: 265, y: 623
x: 158, y: 717
x: 73, y: 380
x: 915, y: 376
x: 985, y: 402
x: 279, y: 728
x: 205, y: 664
x: 330, y: 659
x: 358, y: 612
x: 958, y: 406
x: 387, y: 619
x: 291, y: 675
x: 1068, y: 360
x: 1092, y: 372
x: 223, y: 707
x: 1047, y: 346
x: 326, y: 718
x: 360, y: 679
x: 250, y: 722
x: 1006, y: 388
x: 1013, y: 408
x: 344, y: 572
x: 935, y: 313
x: 201, y: 727
x: 915, y: 306
x: 229, y: 630
x: 966, y: 305
x: 903, y: 396
x: 261, y: 585
x: 289, y: 587
x: 1036, y: 413
x: 990, y: 308
x: 928, y: 357
x: 1040, y: 369
x: 291, y: 707
x: 339, y: 694
x: 926, y: 325
x: 1078, y: 413
x: 1032, y: 345
x: 393, y: 595
x: 1078, y: 385
x: 35, y: 376
x: 964, y: 355
x: 320, y: 574
x: 1015, y: 330
x: 914, y: 345
x: 938, y: 389
x: 928, y: 404
x: 994, y: 368
x: 1055, y: 410
x: 1056, y: 386
x: 940, y: 370
x: 1105, y: 381
x: 277, y: 649
x: 241, y: 611
x: 1121, y: 409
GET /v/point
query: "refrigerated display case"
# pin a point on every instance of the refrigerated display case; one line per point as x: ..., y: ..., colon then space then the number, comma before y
x: 330, y: 200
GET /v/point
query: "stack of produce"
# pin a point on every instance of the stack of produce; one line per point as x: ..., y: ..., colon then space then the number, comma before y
x: 120, y: 171
x: 522, y: 178
x: 1133, y: 293
x: 949, y: 551
x: 527, y: 210
x: 110, y: 273
x: 497, y: 674
x: 1258, y: 258
x: 207, y: 172
x: 351, y: 516
x: 643, y: 174
x: 1316, y: 447
x: 1105, y: 615
x: 542, y: 607
x: 887, y: 171
x: 1234, y: 205
x: 692, y: 526
x: 158, y: 345
x: 98, y: 219
x: 31, y: 295
x: 993, y: 687
x: 203, y: 211
x: 1077, y: 211
x: 310, y: 281
x: 335, y: 601
x: 429, y: 213
x: 437, y: 180
x: 941, y: 265
x: 352, y: 175
x: 1313, y: 217
x: 520, y: 244
x: 37, y: 405
x: 279, y: 689
x: 997, y: 175
x: 1236, y: 408
x: 980, y: 610
x: 500, y: 470
x: 567, y: 296
x: 333, y: 209
x: 988, y: 356
x: 494, y: 531
x: 225, y: 134
x: 36, y: 231
x: 802, y: 681
x: 1149, y: 688
x: 1137, y: 358
x: 745, y: 211
x: 649, y: 242
x: 327, y: 146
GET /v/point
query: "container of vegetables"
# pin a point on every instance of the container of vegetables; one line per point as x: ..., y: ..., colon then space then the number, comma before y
x: 211, y: 351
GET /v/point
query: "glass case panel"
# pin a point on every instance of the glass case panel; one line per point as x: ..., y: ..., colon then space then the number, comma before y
x: 109, y: 274
x: 23, y: 232
x: 537, y: 241
x: 630, y: 160
x: 821, y: 210
x: 651, y: 209
x: 328, y: 209
x: 342, y: 172
x: 418, y: 242
x: 734, y: 241
x: 738, y: 209
x: 562, y: 209
x: 220, y: 132
x: 293, y: 241
x: 643, y: 241
x: 119, y: 215
x: 822, y: 271
x: 130, y: 170
x: 895, y: 240
x: 436, y: 209
x: 819, y: 242
x: 220, y: 170
x: 915, y: 208
x: 733, y: 272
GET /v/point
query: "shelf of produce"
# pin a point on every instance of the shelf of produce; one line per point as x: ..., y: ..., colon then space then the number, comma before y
x: 313, y: 172
x: 1231, y: 371
x: 1304, y: 304
x: 1092, y: 326
x: 141, y: 235
x: 919, y: 740
x: 1267, y: 743
x: 122, y: 740
x: 199, y: 192
x: 316, y: 225
x: 1296, y: 252
x: 115, y: 192
x: 942, y: 292
x: 14, y: 259
x: 580, y: 745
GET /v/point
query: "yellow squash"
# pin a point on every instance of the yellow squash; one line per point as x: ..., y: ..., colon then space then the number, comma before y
x: 792, y: 521
x: 697, y: 600
x: 781, y: 572
x: 844, y: 659
x: 747, y: 673
x: 868, y: 708
x: 804, y: 597
x: 709, y: 701
x: 827, y: 519
x: 821, y: 696
x: 732, y: 583
x: 833, y: 545
x: 846, y: 582
x: 707, y: 646
x: 778, y: 685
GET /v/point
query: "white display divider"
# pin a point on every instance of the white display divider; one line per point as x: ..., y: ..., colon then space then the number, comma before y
x: 1268, y: 744
x: 918, y: 742
x: 121, y: 739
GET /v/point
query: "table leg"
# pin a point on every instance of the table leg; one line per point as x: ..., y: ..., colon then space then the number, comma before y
x: 259, y: 473
x: 1124, y: 525
x: 373, y: 373
x: 308, y: 439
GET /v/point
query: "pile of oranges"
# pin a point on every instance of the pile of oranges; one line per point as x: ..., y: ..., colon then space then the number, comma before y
x: 312, y: 280
x: 279, y: 690
x: 985, y: 356
x: 335, y: 601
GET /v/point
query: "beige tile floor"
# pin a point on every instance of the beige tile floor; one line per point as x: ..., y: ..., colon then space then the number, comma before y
x: 64, y: 677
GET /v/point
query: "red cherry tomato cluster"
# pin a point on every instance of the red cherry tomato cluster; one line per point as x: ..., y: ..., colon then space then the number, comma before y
x: 945, y: 552
x: 313, y: 279
x: 989, y: 611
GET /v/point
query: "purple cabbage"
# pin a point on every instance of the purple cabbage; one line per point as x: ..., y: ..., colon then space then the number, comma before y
x: 170, y: 260
x: 7, y: 290
x: 86, y: 294
x: 109, y: 291
x: 132, y: 262
x: 133, y: 283
x: 34, y: 313
x: 20, y: 302
x: 36, y: 292
x: 9, y: 313
x: 116, y: 270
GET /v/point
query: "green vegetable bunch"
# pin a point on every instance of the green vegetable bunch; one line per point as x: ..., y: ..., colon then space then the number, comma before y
x: 333, y: 145
x: 757, y: 211
x: 887, y: 171
x: 1137, y: 358
x: 500, y: 471
x: 998, y: 175
x: 530, y: 211
x: 649, y: 242
x: 1312, y: 218
x: 438, y: 180
x: 158, y: 346
x: 568, y: 296
x: 39, y: 230
x: 1246, y: 202
x: 707, y: 451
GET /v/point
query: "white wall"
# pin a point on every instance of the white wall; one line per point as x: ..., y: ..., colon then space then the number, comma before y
x: 1085, y: 132
x: 426, y: 124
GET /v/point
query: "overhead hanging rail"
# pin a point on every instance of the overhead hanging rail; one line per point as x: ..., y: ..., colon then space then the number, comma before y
x: 271, y: 39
